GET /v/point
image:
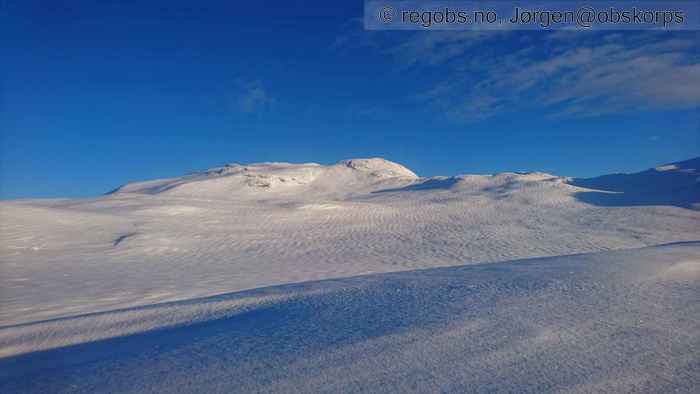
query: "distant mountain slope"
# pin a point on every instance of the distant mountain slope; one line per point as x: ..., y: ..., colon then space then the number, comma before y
x: 671, y: 184
x: 611, y: 322
x: 236, y: 181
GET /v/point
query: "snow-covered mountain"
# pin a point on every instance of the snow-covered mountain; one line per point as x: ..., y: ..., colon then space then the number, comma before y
x: 670, y: 184
x: 236, y: 181
x: 147, y: 255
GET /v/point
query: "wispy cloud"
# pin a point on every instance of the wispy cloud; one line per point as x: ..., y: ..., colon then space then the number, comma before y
x: 440, y: 47
x: 253, y: 97
x: 560, y: 73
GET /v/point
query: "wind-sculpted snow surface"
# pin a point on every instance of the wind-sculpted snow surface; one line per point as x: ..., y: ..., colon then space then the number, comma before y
x: 243, y: 227
x: 624, y: 321
x: 102, y: 285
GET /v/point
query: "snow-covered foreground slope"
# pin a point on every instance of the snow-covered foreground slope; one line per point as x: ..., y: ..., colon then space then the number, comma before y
x: 242, y: 227
x: 619, y: 321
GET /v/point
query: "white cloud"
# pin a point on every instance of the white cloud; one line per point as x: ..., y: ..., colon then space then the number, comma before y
x: 601, y: 75
x: 563, y: 73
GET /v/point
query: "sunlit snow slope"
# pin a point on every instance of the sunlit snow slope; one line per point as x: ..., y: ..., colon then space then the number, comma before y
x: 241, y: 227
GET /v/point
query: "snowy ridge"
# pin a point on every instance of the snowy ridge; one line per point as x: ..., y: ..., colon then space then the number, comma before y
x: 379, y: 168
x: 669, y: 184
x: 236, y: 180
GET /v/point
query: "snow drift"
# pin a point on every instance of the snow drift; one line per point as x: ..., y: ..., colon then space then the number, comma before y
x: 608, y: 322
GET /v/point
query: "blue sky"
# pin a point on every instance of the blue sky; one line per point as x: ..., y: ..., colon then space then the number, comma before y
x: 94, y: 96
